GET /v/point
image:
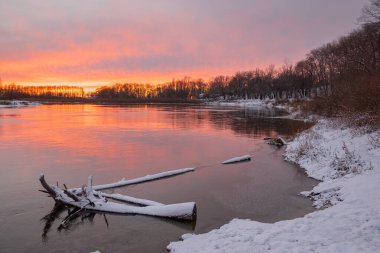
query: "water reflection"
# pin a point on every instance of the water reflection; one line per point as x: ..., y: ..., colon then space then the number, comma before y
x: 42, y: 127
x: 76, y: 217
x: 71, y: 142
x: 246, y: 122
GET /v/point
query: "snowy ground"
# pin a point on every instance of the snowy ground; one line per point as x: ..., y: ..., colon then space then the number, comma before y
x: 244, y: 103
x: 16, y: 103
x: 294, y: 113
x: 348, y: 198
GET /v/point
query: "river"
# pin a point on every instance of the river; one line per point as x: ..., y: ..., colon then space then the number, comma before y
x: 70, y: 142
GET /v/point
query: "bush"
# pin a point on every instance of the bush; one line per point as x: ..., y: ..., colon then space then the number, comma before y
x: 348, y: 163
x: 306, y: 144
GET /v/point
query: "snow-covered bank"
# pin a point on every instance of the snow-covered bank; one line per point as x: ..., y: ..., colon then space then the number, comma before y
x: 244, y: 103
x: 294, y: 112
x: 16, y: 103
x: 348, y: 162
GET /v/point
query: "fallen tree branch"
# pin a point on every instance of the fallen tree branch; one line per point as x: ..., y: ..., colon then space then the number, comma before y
x: 279, y: 141
x: 128, y: 199
x: 238, y: 159
x: 46, y: 186
x: 139, y: 180
x: 95, y: 201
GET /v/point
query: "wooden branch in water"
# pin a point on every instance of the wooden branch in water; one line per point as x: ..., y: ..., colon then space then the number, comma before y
x: 46, y: 186
x: 238, y: 159
x: 128, y: 199
x: 139, y: 180
x: 279, y: 141
x: 71, y: 195
x: 95, y: 201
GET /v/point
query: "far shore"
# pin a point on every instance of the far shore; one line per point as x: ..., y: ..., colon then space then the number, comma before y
x: 112, y: 101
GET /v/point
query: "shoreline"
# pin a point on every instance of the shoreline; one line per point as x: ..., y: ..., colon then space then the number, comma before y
x: 346, y: 161
x: 113, y: 101
x: 347, y: 219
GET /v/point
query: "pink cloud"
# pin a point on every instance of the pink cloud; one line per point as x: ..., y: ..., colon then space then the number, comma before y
x: 67, y: 41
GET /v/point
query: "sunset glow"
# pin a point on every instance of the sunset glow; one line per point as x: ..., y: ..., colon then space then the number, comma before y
x: 189, y: 126
x: 92, y: 43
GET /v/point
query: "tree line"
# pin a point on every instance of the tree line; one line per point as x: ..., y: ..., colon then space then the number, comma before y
x: 13, y: 91
x: 343, y: 74
x: 185, y: 88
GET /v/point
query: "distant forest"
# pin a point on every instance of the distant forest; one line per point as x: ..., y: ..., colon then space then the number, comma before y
x: 343, y: 74
x: 12, y: 91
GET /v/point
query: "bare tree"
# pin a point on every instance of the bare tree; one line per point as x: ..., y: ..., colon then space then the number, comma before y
x: 371, y: 12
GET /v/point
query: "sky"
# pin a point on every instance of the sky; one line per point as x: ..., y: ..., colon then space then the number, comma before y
x: 96, y: 42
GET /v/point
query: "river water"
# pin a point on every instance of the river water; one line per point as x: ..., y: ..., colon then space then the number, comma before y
x: 70, y: 142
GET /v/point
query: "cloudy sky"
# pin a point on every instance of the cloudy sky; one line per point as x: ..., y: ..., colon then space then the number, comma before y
x: 104, y: 41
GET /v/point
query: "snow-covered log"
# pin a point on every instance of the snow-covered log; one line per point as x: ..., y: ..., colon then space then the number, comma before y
x: 129, y: 199
x: 237, y: 159
x: 139, y: 180
x: 94, y: 201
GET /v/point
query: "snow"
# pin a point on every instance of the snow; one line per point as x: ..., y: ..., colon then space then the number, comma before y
x: 243, y: 103
x: 146, y: 178
x: 348, y: 163
x: 294, y: 112
x: 90, y: 199
x: 181, y: 210
x: 253, y: 103
x: 16, y: 103
x: 237, y: 159
x: 128, y: 199
x: 90, y: 202
x: 283, y: 140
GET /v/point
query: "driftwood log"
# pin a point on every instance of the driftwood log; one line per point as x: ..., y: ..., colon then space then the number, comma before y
x: 279, y: 141
x: 139, y: 180
x: 238, y: 159
x: 89, y: 199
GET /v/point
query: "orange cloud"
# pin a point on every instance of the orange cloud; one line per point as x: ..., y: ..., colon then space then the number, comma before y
x: 130, y: 41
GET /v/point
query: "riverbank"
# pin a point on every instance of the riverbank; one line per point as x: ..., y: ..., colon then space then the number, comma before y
x: 17, y: 103
x: 112, y: 142
x: 292, y: 107
x: 111, y: 101
x: 347, y: 161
